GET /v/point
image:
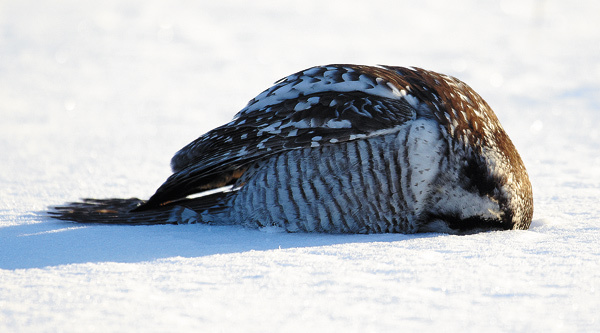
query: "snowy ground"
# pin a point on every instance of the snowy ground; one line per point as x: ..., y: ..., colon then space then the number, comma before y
x: 95, y: 97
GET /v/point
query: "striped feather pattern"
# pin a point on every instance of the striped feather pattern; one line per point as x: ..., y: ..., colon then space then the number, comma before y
x: 360, y: 186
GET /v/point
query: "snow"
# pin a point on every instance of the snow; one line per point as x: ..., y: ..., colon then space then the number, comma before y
x: 95, y: 98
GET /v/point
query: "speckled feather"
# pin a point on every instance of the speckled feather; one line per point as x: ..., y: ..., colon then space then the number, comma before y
x: 311, y: 129
x: 321, y: 105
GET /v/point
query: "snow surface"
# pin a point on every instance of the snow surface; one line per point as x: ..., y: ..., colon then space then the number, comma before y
x: 95, y: 98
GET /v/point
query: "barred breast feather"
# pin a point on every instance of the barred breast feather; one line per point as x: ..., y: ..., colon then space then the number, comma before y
x: 344, y: 149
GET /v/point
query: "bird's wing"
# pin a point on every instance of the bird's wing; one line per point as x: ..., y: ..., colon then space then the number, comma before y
x: 319, y: 106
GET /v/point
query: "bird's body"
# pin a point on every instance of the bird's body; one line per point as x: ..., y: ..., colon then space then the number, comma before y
x: 344, y: 148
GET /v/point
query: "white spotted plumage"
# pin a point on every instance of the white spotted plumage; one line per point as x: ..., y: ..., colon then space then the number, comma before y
x: 345, y: 148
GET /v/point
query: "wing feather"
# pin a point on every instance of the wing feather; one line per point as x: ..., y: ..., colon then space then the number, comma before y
x: 321, y: 116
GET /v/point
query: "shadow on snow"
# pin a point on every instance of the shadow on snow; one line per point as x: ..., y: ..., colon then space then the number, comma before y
x: 53, y: 243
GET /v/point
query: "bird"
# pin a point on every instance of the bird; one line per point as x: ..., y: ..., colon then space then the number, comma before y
x: 343, y: 148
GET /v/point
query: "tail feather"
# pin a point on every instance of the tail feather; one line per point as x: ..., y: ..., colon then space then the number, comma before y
x: 123, y: 211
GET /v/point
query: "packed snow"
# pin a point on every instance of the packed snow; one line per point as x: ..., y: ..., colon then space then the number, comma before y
x: 95, y: 98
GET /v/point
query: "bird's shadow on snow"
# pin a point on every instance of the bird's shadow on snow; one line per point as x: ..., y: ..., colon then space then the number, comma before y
x: 46, y: 242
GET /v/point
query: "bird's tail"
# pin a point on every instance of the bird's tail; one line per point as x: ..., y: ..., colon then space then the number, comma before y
x: 123, y: 211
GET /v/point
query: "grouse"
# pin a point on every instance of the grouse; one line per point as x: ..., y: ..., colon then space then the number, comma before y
x: 343, y: 149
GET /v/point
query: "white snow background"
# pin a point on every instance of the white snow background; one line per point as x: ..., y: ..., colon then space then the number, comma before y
x: 96, y: 96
